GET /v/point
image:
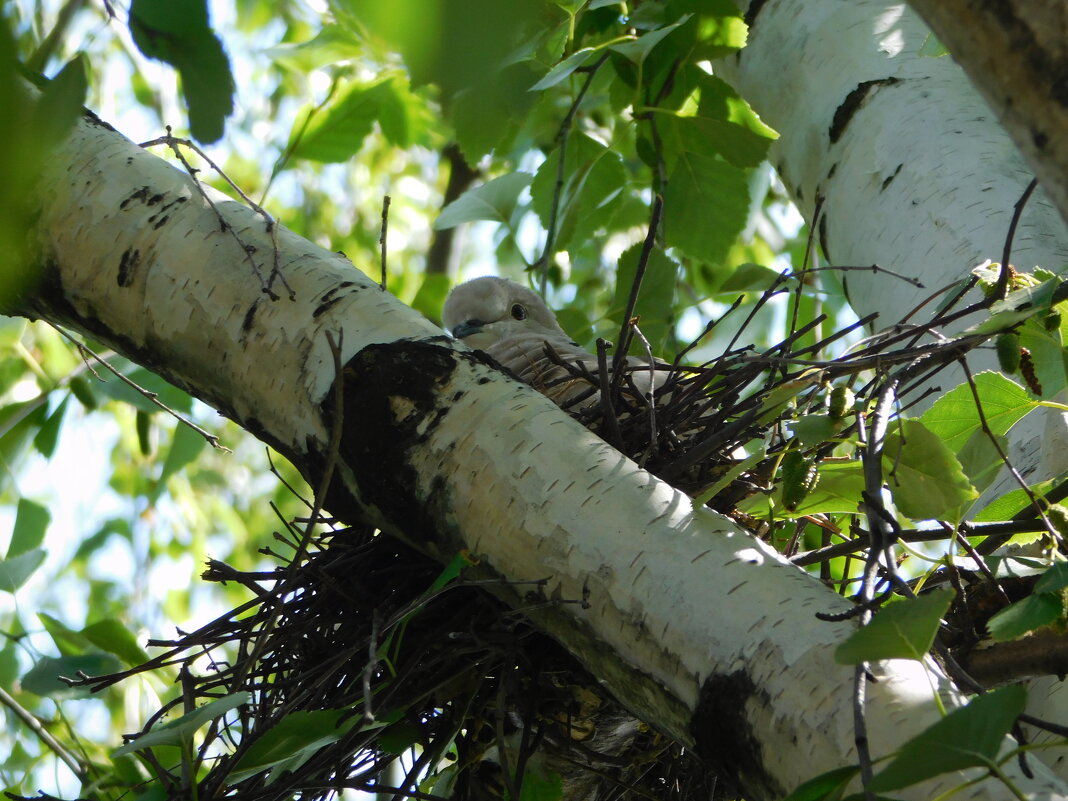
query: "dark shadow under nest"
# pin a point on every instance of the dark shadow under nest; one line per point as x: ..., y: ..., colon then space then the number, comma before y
x: 440, y: 671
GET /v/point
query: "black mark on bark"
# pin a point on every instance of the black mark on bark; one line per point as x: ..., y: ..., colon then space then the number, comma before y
x: 853, y: 103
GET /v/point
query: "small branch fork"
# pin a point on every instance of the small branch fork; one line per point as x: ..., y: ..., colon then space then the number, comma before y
x: 266, y: 283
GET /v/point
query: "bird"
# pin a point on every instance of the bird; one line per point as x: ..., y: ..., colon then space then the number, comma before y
x: 512, y: 324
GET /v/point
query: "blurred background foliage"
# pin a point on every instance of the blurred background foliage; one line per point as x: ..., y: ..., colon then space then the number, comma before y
x: 525, y: 138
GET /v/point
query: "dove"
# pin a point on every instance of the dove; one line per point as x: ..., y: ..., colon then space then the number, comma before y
x: 510, y: 323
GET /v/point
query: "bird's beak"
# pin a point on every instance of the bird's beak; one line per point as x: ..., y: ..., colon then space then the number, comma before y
x: 467, y: 328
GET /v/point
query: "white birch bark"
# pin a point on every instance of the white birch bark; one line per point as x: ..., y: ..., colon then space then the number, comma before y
x: 692, y: 624
x: 915, y: 173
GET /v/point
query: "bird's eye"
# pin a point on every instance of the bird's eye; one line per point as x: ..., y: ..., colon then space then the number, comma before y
x: 518, y: 312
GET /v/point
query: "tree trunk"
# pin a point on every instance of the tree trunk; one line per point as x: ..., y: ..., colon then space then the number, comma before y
x: 1016, y: 54
x: 909, y: 166
x: 905, y: 162
x: 693, y: 625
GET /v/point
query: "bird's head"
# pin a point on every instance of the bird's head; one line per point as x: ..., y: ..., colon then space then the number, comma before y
x: 488, y: 310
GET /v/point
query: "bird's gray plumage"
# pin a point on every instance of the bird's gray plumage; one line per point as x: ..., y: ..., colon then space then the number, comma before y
x: 513, y: 325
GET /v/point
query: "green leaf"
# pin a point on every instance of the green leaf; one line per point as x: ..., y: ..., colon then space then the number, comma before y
x: 48, y: 434
x: 293, y: 741
x: 488, y: 117
x: 67, y: 640
x: 1012, y: 503
x: 431, y: 295
x: 814, y: 429
x: 926, y: 479
x: 638, y: 49
x: 113, y: 637
x: 83, y: 391
x: 827, y: 786
x: 706, y: 205
x: 336, y: 133
x: 31, y: 522
x: 749, y: 277
x: 562, y: 70
x: 1054, y: 579
x: 333, y: 43
x: 19, y: 423
x: 182, y: 729
x: 837, y: 491
x: 178, y: 33
x: 541, y: 784
x: 494, y: 200
x: 954, y: 418
x: 399, y: 737
x: 655, y: 297
x: 594, y: 177
x: 61, y: 103
x: 900, y: 630
x: 980, y: 459
x: 1018, y: 305
x: 1028, y: 614
x: 150, y: 382
x: 739, y: 145
x: 1048, y: 356
x: 15, y: 571
x: 185, y: 447
x: 44, y: 677
x: 971, y: 736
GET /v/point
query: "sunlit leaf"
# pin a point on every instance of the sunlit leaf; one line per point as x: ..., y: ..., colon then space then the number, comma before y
x: 15, y: 571
x: 48, y: 434
x: 31, y: 522
x: 115, y: 638
x: 181, y: 729
x: 1054, y: 579
x: 706, y: 205
x: 827, y: 786
x: 562, y: 70
x: 900, y: 630
x: 972, y: 736
x: 925, y: 477
x: 838, y: 491
x: 954, y: 418
x: 293, y: 741
x: 1028, y: 614
x: 594, y: 177
x: 493, y: 200
x: 46, y: 676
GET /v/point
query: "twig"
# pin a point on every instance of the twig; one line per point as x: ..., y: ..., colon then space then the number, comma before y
x: 1001, y: 289
x: 173, y: 143
x: 382, y: 238
x: 369, y: 669
x: 153, y: 397
x: 847, y: 268
x: 562, y: 135
x: 649, y: 400
x: 31, y: 721
x: 317, y: 505
x: 620, y: 356
x: 795, y: 307
x: 1005, y: 459
x: 614, y: 437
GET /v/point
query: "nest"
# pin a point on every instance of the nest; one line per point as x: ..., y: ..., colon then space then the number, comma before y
x: 426, y: 687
